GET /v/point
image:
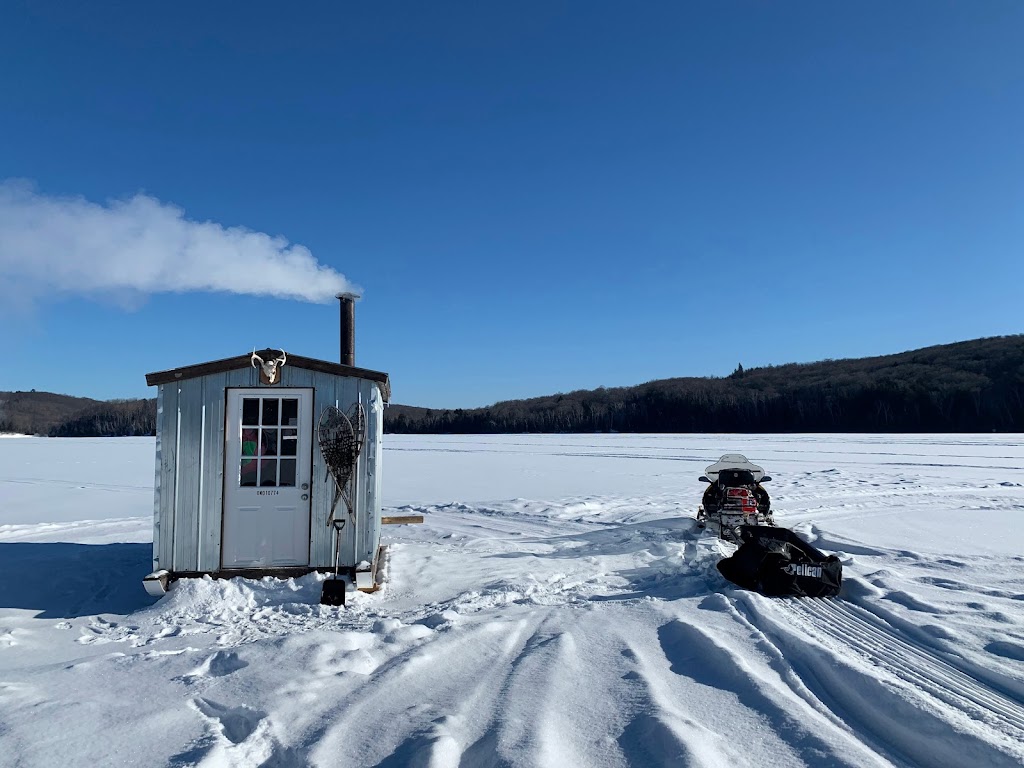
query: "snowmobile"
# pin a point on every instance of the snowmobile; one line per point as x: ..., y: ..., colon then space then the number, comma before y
x: 735, y: 497
x: 771, y: 560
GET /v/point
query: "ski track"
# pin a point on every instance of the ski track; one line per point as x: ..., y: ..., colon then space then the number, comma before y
x: 582, y: 629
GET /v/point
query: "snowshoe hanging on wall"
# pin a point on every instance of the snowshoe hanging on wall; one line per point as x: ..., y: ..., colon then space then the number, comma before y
x: 341, y: 437
x: 777, y: 563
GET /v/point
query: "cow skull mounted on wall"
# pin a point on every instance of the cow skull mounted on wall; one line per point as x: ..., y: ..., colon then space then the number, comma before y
x: 270, y: 370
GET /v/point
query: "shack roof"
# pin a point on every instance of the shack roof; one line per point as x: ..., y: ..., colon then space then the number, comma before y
x: 245, y: 361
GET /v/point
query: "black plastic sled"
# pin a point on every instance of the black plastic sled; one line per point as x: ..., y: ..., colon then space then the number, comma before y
x: 778, y: 563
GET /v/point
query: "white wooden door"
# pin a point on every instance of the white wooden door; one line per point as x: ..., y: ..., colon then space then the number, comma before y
x: 267, y: 478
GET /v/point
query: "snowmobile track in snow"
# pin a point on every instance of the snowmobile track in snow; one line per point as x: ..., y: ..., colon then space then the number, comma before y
x: 944, y: 686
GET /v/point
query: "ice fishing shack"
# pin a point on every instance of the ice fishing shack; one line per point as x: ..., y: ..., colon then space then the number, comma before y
x: 242, y: 485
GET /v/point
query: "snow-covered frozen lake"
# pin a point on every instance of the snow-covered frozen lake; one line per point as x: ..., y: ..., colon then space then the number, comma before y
x: 556, y: 609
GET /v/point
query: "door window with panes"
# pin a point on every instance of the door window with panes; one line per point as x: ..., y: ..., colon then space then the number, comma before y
x: 270, y: 433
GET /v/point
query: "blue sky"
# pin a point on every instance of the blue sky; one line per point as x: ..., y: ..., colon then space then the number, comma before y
x: 534, y: 197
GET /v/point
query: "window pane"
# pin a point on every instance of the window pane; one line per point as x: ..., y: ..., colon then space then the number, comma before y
x: 268, y: 472
x: 288, y: 471
x: 289, y: 442
x: 268, y: 444
x: 249, y: 441
x: 270, y: 412
x: 247, y: 475
x: 290, y: 412
x: 250, y: 411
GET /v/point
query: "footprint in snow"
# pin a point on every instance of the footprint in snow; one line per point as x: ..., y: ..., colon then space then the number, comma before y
x: 236, y: 724
x: 439, y: 620
x: 1006, y: 650
x: 220, y: 664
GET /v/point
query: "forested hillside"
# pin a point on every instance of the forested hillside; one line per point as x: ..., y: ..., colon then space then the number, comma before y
x: 972, y: 386
x: 35, y: 413
x: 964, y: 387
x: 46, y: 413
x: 111, y: 418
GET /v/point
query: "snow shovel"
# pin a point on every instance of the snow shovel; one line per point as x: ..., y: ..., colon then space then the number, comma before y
x: 334, y: 588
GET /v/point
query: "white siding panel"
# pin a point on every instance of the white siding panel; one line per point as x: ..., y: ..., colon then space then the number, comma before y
x: 346, y: 392
x: 190, y: 467
x: 244, y: 377
x: 158, y: 472
x: 167, y: 428
x: 297, y: 377
x: 211, y: 502
x: 372, y: 470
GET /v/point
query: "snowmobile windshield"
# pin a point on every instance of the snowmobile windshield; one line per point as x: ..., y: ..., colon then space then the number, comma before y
x: 731, y: 478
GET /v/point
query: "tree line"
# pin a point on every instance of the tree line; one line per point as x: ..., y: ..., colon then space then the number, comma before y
x: 975, y: 386
x: 46, y: 413
x: 114, y: 418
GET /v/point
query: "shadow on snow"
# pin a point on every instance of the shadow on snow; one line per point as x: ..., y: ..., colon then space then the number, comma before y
x: 65, y: 581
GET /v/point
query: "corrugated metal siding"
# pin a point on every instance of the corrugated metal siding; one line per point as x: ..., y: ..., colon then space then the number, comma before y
x: 347, y: 393
x: 156, y: 481
x: 371, y: 470
x: 340, y: 392
x: 212, y: 487
x: 189, y: 471
x: 191, y: 442
x: 343, y: 392
x: 167, y: 429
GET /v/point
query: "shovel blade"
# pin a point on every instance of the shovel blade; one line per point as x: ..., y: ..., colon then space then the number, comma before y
x: 334, y: 592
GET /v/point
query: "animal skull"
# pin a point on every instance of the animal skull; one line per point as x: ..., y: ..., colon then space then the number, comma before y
x: 270, y: 368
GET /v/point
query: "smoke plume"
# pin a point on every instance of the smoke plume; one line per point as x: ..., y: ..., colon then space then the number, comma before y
x: 143, y: 246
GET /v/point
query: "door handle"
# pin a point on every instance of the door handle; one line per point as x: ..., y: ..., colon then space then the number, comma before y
x: 305, y: 497
x: 305, y: 486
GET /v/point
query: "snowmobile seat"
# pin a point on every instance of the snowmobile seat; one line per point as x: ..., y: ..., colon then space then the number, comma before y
x: 732, y: 478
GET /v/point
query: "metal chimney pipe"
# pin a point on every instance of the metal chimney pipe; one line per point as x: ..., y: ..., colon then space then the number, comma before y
x: 348, y: 327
